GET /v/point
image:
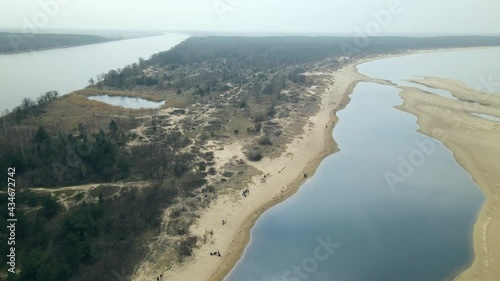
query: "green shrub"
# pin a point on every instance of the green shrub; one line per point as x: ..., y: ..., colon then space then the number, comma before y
x: 265, y: 141
x: 186, y: 246
x: 254, y: 155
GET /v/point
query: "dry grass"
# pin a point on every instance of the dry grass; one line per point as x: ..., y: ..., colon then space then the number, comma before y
x: 75, y: 108
x: 178, y: 102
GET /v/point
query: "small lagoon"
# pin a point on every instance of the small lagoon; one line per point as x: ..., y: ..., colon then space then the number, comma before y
x: 68, y: 69
x: 127, y: 102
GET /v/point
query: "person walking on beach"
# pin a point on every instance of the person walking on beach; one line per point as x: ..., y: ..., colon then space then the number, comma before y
x: 246, y: 192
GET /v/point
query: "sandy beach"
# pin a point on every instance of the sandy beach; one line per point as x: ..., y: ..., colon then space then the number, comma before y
x: 471, y: 139
x: 474, y: 144
x: 284, y: 176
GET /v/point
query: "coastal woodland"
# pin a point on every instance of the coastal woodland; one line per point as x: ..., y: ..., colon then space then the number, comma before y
x: 23, y: 42
x: 97, y: 185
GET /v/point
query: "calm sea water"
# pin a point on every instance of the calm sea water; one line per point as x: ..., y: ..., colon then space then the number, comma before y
x: 478, y: 68
x: 348, y: 222
x: 69, y: 69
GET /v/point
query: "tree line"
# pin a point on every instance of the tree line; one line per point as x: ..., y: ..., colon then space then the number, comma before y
x: 21, y: 42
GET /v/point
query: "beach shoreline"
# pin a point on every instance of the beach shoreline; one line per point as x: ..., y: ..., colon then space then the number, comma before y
x: 471, y: 140
x: 330, y: 147
x: 286, y: 176
x: 463, y: 274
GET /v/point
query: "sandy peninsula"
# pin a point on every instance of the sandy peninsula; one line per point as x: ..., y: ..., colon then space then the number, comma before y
x: 474, y: 142
x: 284, y: 176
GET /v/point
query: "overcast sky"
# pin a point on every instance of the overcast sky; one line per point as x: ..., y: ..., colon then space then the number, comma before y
x: 283, y: 16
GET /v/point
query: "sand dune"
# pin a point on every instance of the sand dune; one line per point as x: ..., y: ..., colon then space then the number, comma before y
x: 284, y: 176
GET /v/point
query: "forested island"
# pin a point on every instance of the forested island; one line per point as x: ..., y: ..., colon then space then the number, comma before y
x: 24, y: 42
x: 102, y: 189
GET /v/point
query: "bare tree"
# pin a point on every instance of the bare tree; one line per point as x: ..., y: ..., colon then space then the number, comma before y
x: 154, y: 122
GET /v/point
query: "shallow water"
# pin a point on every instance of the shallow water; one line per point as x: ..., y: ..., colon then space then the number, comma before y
x: 69, y: 69
x: 395, y: 202
x: 487, y: 117
x: 127, y: 102
x: 444, y: 93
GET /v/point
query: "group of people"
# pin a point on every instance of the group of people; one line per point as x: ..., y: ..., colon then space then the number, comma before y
x: 224, y: 222
x: 246, y: 192
x: 159, y: 278
x: 217, y: 254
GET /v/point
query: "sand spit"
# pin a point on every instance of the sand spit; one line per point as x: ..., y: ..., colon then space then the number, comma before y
x: 284, y: 176
x: 474, y: 142
x: 461, y: 91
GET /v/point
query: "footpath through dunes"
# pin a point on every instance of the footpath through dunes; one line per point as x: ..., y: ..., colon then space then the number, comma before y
x: 278, y: 179
x: 474, y: 142
x: 71, y: 195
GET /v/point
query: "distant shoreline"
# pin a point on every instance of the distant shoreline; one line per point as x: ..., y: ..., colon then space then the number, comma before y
x: 55, y: 48
x: 108, y: 40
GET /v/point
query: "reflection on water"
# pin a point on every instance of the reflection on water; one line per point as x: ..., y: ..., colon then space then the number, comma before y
x: 127, y: 102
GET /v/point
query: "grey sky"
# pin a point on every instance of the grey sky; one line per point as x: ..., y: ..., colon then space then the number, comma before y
x: 302, y: 16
